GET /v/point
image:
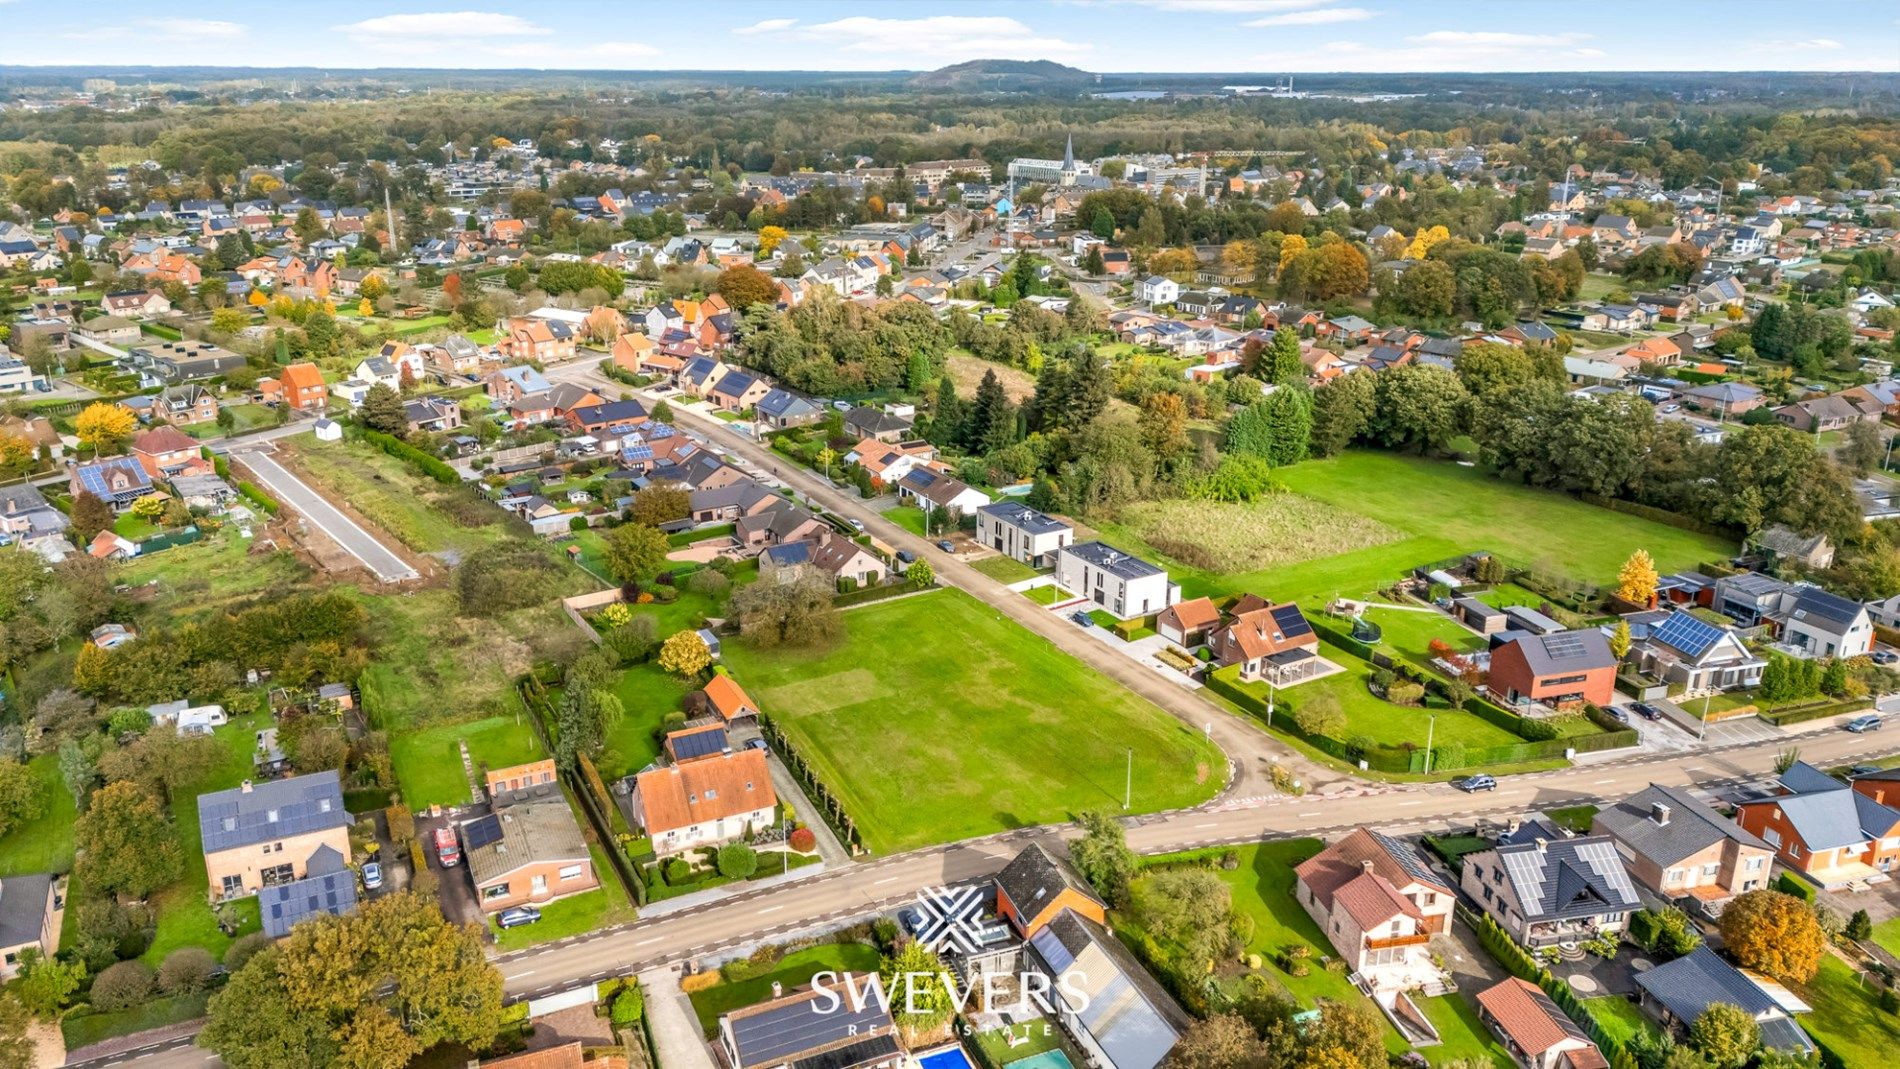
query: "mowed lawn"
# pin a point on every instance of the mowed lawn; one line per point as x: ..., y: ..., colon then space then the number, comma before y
x: 935, y: 720
x: 428, y: 763
x: 1444, y: 509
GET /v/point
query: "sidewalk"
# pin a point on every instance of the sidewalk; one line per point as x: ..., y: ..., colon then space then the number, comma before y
x: 677, y: 1038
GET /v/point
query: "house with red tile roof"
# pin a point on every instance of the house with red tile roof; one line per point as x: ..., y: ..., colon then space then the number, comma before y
x: 1538, y: 1034
x: 1379, y: 906
x: 705, y: 802
x: 729, y: 699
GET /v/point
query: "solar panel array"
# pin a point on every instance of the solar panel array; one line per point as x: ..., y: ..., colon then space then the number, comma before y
x: 1291, y: 622
x: 784, y: 1033
x: 687, y: 745
x: 1564, y: 646
x: 1688, y: 634
x: 482, y: 831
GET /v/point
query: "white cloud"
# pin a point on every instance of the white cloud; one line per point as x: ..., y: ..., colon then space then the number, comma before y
x: 483, y: 38
x: 173, y: 31
x: 1324, y: 16
x: 939, y: 39
x: 1818, y: 44
x: 766, y: 26
x: 440, y: 24
x: 1501, y: 50
x: 1232, y: 7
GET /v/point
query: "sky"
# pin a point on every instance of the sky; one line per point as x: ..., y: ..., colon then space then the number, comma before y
x: 1265, y: 36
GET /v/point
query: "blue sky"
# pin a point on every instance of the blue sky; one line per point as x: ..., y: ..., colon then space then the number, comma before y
x: 1268, y: 36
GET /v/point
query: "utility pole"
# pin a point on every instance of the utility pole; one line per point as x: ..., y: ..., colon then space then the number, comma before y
x: 389, y: 217
x: 1431, y: 729
x: 1128, y: 789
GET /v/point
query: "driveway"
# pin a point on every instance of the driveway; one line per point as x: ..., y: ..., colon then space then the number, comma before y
x: 677, y: 1038
x: 345, y: 532
x: 455, y: 893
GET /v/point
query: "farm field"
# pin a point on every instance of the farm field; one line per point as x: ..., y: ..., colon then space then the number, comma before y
x: 1442, y: 509
x: 967, y: 725
x: 1275, y: 530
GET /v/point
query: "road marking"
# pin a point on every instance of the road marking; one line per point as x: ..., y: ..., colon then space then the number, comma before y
x: 644, y: 942
x: 520, y: 975
x: 1309, y: 813
x: 887, y: 879
x: 1209, y: 824
x: 1596, y: 782
x: 1401, y: 805
x: 769, y: 909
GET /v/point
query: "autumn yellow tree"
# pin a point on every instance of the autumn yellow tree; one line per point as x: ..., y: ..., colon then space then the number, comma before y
x: 1636, y: 583
x: 365, y: 308
x: 1423, y: 241
x: 16, y: 455
x: 373, y: 288
x: 685, y: 654
x: 1177, y: 264
x: 770, y: 237
x: 1291, y: 247
x: 102, y: 425
x: 257, y: 299
x: 1240, y: 258
x: 1774, y: 933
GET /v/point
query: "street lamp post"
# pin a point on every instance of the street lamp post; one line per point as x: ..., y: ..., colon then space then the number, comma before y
x: 1431, y: 731
x: 1128, y: 787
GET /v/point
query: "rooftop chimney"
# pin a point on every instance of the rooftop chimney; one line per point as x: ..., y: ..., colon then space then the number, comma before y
x: 1367, y: 865
x: 1659, y: 813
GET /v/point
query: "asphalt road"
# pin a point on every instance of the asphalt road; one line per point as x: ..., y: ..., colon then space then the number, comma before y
x: 345, y: 532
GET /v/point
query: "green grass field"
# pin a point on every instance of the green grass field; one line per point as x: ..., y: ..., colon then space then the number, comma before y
x: 1846, y: 1017
x: 646, y: 694
x: 392, y: 496
x: 212, y: 574
x: 935, y: 720
x: 428, y: 763
x: 1620, y: 1018
x: 45, y: 844
x: 1444, y: 509
x: 1005, y: 569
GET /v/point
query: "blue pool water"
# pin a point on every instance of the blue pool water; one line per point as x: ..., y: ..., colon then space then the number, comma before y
x: 951, y: 1057
x: 1048, y: 1059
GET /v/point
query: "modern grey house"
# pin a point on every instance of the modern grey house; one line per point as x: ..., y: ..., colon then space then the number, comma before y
x: 1678, y: 991
x: 1018, y: 531
x: 1123, y: 584
x: 1544, y: 889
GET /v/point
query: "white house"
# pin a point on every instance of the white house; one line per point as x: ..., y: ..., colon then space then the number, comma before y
x: 941, y: 491
x: 1817, y: 623
x: 705, y: 801
x: 1016, y: 530
x: 1121, y: 583
x: 1157, y: 290
x: 1379, y: 906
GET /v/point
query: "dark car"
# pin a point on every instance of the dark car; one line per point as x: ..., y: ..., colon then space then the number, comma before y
x: 946, y: 545
x: 516, y: 917
x: 755, y: 744
x: 1616, y: 713
x: 1474, y: 784
x: 1082, y: 618
x: 906, y: 556
x: 1864, y: 770
x: 1886, y: 657
x: 1648, y: 711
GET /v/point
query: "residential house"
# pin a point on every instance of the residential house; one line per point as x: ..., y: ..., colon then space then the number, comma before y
x: 17, y: 377
x: 303, y: 388
x: 929, y: 488
x: 26, y: 515
x: 432, y: 414
x: 1123, y: 584
x: 1537, y: 1034
x: 184, y: 361
x: 528, y: 850
x: 889, y: 463
x: 1103, y: 998
x: 136, y: 304
x: 540, y: 340
x: 497, y: 781
x: 1379, y: 905
x: 1747, y: 597
x: 1784, y: 545
x: 1555, y: 669
x: 1725, y: 399
x: 1017, y: 531
x: 701, y: 374
x: 1157, y: 290
x: 705, y: 802
x: 1270, y: 642
x: 30, y: 910
x: 831, y: 555
x: 781, y: 409
x: 1682, y: 850
x: 738, y: 391
x: 1188, y: 624
x: 512, y: 384
x: 877, y: 423
x: 1823, y: 829
x: 166, y: 451
x: 265, y: 834
x: 1678, y: 992
x: 110, y: 330
x: 594, y: 418
x: 1832, y: 412
x: 118, y: 481
x: 1819, y: 623
x: 185, y: 404
x: 827, y: 1025
x: 1544, y: 888
x: 1678, y: 647
x: 1034, y: 889
x: 724, y: 504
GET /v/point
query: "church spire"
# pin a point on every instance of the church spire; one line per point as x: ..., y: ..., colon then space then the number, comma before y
x: 1068, y: 155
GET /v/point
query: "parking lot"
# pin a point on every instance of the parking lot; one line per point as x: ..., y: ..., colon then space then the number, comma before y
x: 1679, y: 729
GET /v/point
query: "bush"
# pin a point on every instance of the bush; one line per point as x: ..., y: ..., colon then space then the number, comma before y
x: 186, y: 970
x: 244, y: 950
x: 122, y: 986
x: 628, y: 1006
x: 678, y: 872
x: 738, y: 861
x: 804, y: 840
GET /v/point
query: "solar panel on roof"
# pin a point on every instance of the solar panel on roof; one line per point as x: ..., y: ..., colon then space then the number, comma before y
x: 1688, y: 634
x: 1291, y: 622
x: 482, y: 831
x: 1562, y: 645
x: 688, y: 745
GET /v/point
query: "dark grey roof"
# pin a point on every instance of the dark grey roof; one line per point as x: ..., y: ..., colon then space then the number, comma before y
x: 1815, y: 606
x: 1690, y: 828
x: 1112, y: 560
x: 1826, y: 813
x: 612, y: 412
x: 1033, y: 879
x: 274, y: 810
x: 872, y: 421
x: 1566, y: 651
x: 1694, y: 982
x: 1752, y: 584
x: 1125, y: 1018
x: 742, y: 494
x: 1531, y: 620
x: 329, y: 888
x: 1566, y: 878
x: 23, y: 908
x: 1024, y: 518
x: 788, y: 1030
x: 781, y: 403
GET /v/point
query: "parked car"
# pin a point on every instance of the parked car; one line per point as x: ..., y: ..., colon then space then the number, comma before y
x: 946, y: 545
x: 856, y: 524
x: 755, y: 744
x: 1646, y: 710
x: 1474, y: 784
x: 1861, y: 724
x: 1616, y: 713
x: 905, y: 556
x: 372, y: 876
x: 842, y: 406
x: 1864, y: 770
x: 1082, y: 618
x: 516, y: 917
x: 1886, y: 657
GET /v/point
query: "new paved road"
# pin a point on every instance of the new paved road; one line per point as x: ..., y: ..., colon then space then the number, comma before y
x: 345, y: 532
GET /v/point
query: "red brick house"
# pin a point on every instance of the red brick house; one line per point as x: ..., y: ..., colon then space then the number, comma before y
x: 1557, y: 669
x: 1832, y: 834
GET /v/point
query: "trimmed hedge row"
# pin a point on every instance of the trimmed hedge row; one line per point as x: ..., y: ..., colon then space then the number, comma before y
x: 1806, y: 713
x: 698, y: 534
x: 415, y: 458
x: 1519, y: 963
x: 1662, y: 516
x: 256, y: 495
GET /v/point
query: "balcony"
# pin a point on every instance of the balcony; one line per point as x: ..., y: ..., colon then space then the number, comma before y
x: 1391, y: 941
